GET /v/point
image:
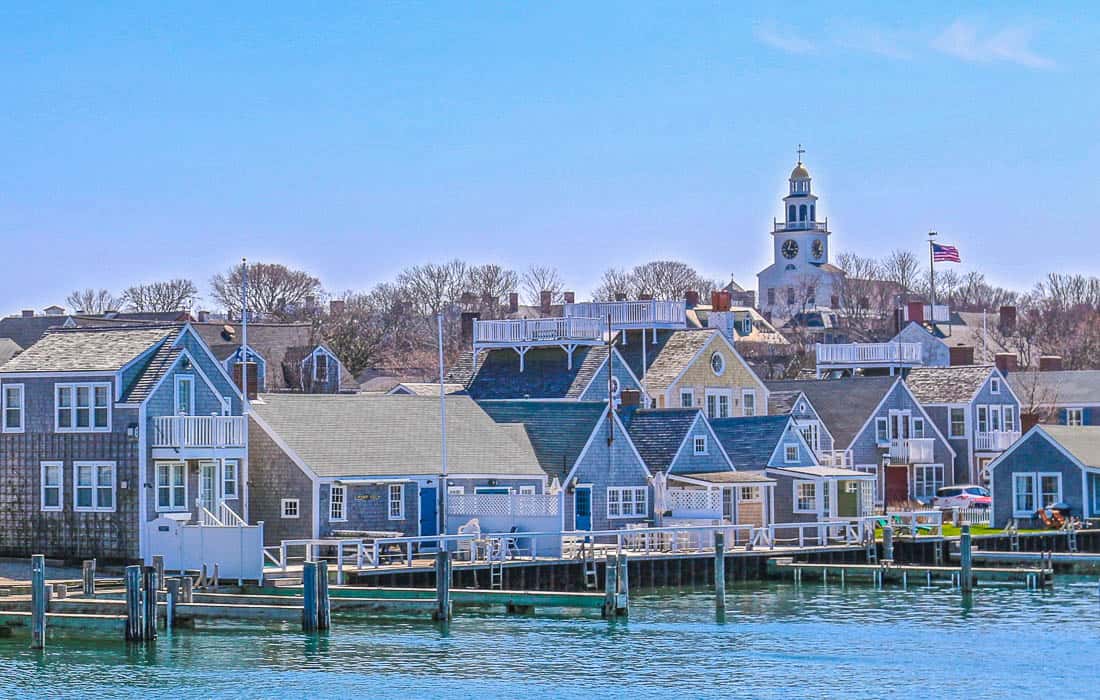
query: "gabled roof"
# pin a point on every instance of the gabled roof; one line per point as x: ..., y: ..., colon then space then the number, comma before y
x: 957, y: 384
x: 546, y: 373
x: 359, y: 435
x: 844, y: 405
x: 781, y: 403
x: 558, y: 430
x: 25, y: 331
x: 426, y: 389
x: 658, y: 433
x: 1083, y: 442
x: 8, y: 349
x: 750, y: 441
x: 159, y: 362
x: 87, y: 349
x: 1060, y: 388
x: 666, y: 359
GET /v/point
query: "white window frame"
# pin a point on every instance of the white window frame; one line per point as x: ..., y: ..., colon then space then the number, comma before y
x: 1075, y: 417
x: 790, y: 454
x: 95, y: 487
x: 748, y: 396
x: 236, y: 480
x: 1039, y: 488
x: 718, y: 395
x: 699, y: 445
x: 922, y: 486
x: 173, y: 507
x: 755, y: 494
x: 456, y: 490
x: 527, y: 490
x: 59, y: 486
x: 721, y: 362
x: 21, y: 408
x: 913, y: 432
x: 328, y: 365
x: 882, y: 428
x: 619, y: 507
x: 1031, y: 478
x: 951, y: 422
x: 395, y: 496
x: 746, y: 326
x: 74, y: 390
x: 1009, y: 416
x: 290, y: 502
x: 333, y: 502
x: 797, y: 486
x: 981, y: 420
x: 687, y: 392
x: 994, y: 385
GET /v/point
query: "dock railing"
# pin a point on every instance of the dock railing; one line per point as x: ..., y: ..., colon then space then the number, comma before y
x: 916, y: 523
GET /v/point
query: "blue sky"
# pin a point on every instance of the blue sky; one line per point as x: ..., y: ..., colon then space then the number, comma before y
x: 355, y: 140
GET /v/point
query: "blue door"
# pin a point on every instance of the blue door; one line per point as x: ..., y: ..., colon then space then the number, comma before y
x: 429, y: 511
x: 582, y: 508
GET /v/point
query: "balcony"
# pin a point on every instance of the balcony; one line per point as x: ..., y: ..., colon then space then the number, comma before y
x: 869, y: 354
x: 631, y: 315
x: 538, y: 331
x: 912, y: 450
x: 835, y: 458
x: 995, y: 440
x: 198, y: 432
x: 785, y: 226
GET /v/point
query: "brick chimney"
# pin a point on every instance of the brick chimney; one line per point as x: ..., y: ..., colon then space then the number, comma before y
x: 630, y: 398
x: 961, y: 355
x: 513, y: 302
x: 570, y: 297
x: 1006, y: 362
x: 1008, y: 320
x: 1050, y: 363
x: 916, y: 311
x: 620, y: 296
x: 468, y: 318
x: 545, y: 301
x: 336, y: 307
x: 28, y: 313
x: 720, y: 300
x: 203, y: 316
x: 691, y: 297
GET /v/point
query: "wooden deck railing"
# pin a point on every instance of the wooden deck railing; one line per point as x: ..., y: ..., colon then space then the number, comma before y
x: 198, y: 431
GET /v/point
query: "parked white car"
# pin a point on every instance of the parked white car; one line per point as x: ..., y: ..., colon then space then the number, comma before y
x: 962, y: 496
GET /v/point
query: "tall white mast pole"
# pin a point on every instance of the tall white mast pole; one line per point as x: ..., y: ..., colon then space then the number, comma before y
x: 443, y: 437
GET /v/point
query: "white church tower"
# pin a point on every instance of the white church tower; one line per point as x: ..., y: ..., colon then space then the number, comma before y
x: 801, y: 277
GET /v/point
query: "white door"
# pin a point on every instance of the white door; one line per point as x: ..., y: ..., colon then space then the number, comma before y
x: 208, y: 482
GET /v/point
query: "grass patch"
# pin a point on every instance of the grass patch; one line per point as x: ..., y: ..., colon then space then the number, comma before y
x: 950, y: 530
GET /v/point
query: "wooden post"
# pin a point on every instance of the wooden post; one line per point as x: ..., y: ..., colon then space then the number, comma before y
x: 324, y: 612
x: 720, y: 571
x: 622, y: 601
x: 158, y: 565
x: 217, y: 577
x: 188, y: 592
x: 309, y: 596
x: 202, y: 576
x: 133, y: 604
x: 149, y: 586
x: 38, y: 601
x: 611, y: 577
x: 966, y: 560
x: 442, y: 611
x: 60, y: 591
x: 88, y: 578
x: 888, y: 542
x: 171, y: 599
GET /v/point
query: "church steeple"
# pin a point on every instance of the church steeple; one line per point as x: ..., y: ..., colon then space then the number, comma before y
x: 801, y: 203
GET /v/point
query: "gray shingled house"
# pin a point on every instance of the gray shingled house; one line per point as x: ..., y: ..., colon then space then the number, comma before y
x: 346, y: 463
x: 107, y: 429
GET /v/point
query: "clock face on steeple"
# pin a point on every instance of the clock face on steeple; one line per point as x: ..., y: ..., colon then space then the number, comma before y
x: 790, y: 249
x: 817, y: 248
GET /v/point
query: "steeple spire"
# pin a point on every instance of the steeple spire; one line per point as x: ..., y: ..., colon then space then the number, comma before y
x: 800, y: 151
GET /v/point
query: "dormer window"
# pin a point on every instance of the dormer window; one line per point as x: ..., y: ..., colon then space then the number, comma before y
x: 320, y: 367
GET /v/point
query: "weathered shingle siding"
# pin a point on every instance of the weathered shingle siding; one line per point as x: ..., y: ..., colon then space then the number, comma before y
x: 212, y: 370
x: 934, y: 352
x: 687, y: 462
x: 368, y: 509
x: 24, y: 528
x: 274, y: 476
x: 597, y: 390
x: 866, y: 451
x: 806, y: 457
x: 784, y: 495
x: 940, y: 416
x: 1035, y: 454
x: 604, y: 466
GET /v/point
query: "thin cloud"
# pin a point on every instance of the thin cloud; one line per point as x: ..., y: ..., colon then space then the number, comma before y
x: 873, y: 40
x: 782, y: 40
x: 1010, y: 45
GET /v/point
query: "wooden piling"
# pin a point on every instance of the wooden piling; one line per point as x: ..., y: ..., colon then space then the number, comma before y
x: 611, y: 588
x: 622, y: 601
x: 442, y: 586
x: 888, y: 542
x: 158, y: 565
x: 217, y: 577
x: 720, y: 571
x: 149, y: 587
x: 133, y: 604
x: 171, y: 599
x: 324, y: 606
x: 60, y: 591
x: 188, y: 590
x: 309, y: 596
x: 38, y: 601
x: 88, y: 577
x: 966, y: 559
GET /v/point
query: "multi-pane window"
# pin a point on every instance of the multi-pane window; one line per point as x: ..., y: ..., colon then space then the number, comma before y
x: 13, y: 408
x: 93, y: 486
x: 627, y: 502
x: 749, y: 494
x: 1050, y: 489
x: 718, y: 404
x: 882, y: 431
x: 805, y: 493
x: 983, y: 419
x: 748, y: 403
x: 52, y: 479
x: 957, y: 423
x: 1023, y: 495
x: 82, y: 407
x: 700, y: 444
x: 1075, y: 416
x: 927, y: 479
x: 918, y: 427
x: 396, y: 507
x: 528, y: 490
x: 790, y: 453
x: 171, y: 486
x: 1010, y: 418
x: 337, y: 502
x: 230, y: 479
x: 687, y: 399
x: 290, y: 508
x: 320, y: 367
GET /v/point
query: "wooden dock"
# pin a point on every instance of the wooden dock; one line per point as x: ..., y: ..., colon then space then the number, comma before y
x: 1082, y: 562
x: 904, y: 574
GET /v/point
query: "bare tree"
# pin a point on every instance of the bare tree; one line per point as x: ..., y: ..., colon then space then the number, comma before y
x: 542, y: 278
x: 92, y: 301
x: 669, y: 279
x: 615, y: 282
x: 273, y: 290
x: 901, y: 268
x: 168, y: 295
x: 433, y: 287
x: 859, y: 290
x: 492, y: 281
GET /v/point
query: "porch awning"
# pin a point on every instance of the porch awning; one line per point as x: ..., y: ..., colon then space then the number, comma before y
x: 828, y: 473
x: 723, y: 478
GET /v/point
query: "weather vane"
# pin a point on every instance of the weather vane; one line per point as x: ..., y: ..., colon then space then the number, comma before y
x: 801, y: 150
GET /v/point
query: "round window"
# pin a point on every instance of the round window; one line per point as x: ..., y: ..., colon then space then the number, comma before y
x: 717, y: 363
x: 615, y: 385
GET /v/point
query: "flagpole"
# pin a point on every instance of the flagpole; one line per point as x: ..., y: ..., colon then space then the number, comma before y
x: 932, y: 269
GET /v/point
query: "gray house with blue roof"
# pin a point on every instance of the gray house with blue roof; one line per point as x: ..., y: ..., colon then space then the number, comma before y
x: 544, y: 373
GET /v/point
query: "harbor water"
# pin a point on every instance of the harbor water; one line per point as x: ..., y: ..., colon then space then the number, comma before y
x: 778, y: 640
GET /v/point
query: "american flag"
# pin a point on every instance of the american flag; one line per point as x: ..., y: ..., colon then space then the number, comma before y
x: 945, y: 253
